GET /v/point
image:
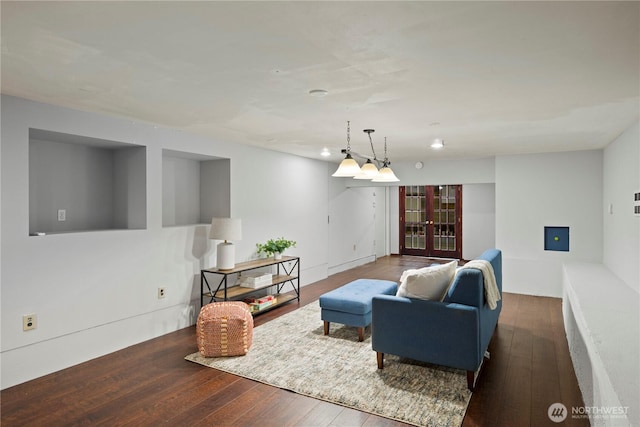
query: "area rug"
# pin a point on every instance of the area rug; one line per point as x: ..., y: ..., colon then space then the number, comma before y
x: 291, y: 352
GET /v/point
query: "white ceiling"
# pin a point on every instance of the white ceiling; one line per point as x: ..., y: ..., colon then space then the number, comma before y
x: 490, y: 78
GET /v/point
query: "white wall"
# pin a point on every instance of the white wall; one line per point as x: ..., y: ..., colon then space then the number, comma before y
x: 129, y: 182
x: 441, y: 172
x: 195, y: 188
x: 352, y: 224
x: 215, y: 189
x: 600, y: 308
x: 394, y: 218
x: 538, y: 190
x: 478, y: 219
x: 621, y: 227
x: 277, y: 195
x: 81, y: 182
x: 180, y: 191
x: 96, y: 292
x: 381, y: 238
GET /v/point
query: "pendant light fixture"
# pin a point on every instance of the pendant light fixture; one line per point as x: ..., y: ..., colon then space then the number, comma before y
x: 348, y: 167
x: 369, y: 170
x: 385, y: 174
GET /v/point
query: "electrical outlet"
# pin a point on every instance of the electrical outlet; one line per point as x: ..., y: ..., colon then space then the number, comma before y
x: 161, y: 293
x: 29, y: 322
x: 62, y: 214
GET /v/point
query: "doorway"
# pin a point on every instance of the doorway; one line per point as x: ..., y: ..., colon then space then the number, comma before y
x: 431, y: 220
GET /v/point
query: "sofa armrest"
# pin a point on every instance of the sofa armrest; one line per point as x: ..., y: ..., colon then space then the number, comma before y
x: 446, y: 334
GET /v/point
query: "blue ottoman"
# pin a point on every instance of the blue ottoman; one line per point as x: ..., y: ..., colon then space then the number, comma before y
x: 351, y: 304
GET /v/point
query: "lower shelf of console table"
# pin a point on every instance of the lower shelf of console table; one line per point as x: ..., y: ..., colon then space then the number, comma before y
x: 287, y: 272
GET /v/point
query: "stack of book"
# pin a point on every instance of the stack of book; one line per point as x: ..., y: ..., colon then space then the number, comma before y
x: 254, y: 279
x: 257, y: 304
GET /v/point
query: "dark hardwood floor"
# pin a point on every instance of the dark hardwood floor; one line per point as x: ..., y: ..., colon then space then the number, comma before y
x: 151, y: 384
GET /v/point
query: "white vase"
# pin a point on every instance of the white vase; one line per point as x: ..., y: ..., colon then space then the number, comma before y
x: 277, y: 255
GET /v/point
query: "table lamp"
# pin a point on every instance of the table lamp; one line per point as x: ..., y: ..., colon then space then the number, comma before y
x: 226, y: 229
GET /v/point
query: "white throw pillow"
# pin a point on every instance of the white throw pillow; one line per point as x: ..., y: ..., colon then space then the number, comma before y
x: 429, y: 283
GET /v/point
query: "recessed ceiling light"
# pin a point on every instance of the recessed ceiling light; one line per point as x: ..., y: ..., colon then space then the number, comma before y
x: 318, y: 93
x: 325, y: 152
x: 437, y: 143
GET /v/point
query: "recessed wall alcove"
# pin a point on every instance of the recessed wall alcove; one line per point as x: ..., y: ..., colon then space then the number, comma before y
x: 195, y: 188
x: 79, y: 183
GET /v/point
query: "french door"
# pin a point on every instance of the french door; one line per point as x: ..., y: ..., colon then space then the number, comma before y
x: 431, y: 220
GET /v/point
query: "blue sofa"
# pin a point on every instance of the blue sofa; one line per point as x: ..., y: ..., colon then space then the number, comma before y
x: 454, y: 332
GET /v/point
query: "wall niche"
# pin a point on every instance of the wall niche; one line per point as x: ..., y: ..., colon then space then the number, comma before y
x: 195, y: 188
x: 79, y: 183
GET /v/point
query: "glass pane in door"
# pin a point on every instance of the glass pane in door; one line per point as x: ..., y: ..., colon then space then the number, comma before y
x: 444, y: 217
x: 415, y: 217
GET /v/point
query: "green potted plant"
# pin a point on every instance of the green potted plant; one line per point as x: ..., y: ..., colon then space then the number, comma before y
x: 275, y: 247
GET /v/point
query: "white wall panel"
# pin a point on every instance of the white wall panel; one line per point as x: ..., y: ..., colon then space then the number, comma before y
x: 87, y: 288
x: 538, y: 190
x: 621, y: 226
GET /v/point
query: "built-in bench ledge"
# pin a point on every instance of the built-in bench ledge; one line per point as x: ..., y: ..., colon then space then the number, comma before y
x: 602, y: 321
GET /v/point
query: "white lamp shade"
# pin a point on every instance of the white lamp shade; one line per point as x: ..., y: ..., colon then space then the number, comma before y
x: 348, y: 168
x: 226, y: 229
x: 386, y: 175
x: 367, y: 171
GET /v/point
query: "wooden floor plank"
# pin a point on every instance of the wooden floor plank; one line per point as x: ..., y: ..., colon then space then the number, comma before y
x: 211, y: 413
x: 321, y: 415
x: 151, y: 383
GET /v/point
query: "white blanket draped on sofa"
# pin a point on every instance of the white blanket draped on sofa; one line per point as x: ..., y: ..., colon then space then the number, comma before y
x: 491, y: 292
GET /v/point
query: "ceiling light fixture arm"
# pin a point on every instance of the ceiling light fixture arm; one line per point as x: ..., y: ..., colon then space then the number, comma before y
x: 348, y: 137
x: 369, y: 132
x: 362, y: 156
x: 386, y: 161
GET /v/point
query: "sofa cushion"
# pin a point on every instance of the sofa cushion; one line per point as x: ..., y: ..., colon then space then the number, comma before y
x: 430, y: 283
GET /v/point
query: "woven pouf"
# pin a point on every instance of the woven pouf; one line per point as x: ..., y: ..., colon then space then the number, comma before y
x: 224, y: 329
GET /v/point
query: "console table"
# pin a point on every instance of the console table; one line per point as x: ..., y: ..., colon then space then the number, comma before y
x: 287, y: 271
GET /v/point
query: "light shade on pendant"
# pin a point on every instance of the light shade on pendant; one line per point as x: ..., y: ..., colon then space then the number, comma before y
x: 367, y: 171
x: 348, y: 168
x: 385, y: 175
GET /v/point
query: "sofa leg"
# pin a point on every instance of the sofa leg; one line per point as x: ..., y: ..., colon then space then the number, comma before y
x: 380, y: 357
x: 326, y: 327
x: 470, y: 380
x: 360, y: 334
